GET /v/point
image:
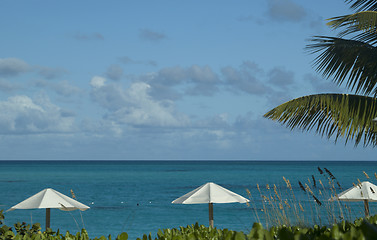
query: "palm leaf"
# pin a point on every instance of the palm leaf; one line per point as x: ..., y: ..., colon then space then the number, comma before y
x: 366, y: 37
x: 339, y: 115
x: 362, y: 5
x: 347, y: 59
x: 363, y: 21
x: 362, y: 26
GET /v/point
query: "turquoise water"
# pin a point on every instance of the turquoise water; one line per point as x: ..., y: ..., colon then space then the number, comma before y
x: 135, y: 196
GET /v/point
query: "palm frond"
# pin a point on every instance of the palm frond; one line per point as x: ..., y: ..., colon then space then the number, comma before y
x: 347, y: 59
x: 363, y: 21
x: 363, y: 36
x: 357, y: 35
x: 339, y: 115
x: 363, y: 5
x: 366, y: 37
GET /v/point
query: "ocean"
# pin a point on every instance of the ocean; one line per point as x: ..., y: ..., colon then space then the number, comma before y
x: 135, y: 196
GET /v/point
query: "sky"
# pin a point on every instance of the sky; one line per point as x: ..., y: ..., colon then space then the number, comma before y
x: 161, y: 80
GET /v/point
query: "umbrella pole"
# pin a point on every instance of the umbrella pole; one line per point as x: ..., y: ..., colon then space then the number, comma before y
x: 48, y: 213
x: 210, y: 209
x: 366, y: 207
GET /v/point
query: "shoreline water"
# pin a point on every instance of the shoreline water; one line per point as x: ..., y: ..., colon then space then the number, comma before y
x: 135, y: 196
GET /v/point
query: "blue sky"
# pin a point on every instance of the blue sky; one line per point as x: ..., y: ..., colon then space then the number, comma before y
x: 160, y: 79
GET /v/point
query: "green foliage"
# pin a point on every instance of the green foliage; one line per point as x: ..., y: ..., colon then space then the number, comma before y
x: 122, y: 236
x: 23, y: 231
x: 199, y: 232
x: 359, y: 229
x: 342, y: 115
x: 347, y: 61
x: 1, y: 217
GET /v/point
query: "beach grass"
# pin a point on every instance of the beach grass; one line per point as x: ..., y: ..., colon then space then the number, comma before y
x: 312, y: 201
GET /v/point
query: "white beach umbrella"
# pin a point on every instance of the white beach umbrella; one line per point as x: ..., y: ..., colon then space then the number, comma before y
x: 210, y: 193
x: 49, y: 198
x: 365, y: 191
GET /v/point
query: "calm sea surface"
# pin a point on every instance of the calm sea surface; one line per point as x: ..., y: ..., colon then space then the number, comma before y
x: 136, y: 196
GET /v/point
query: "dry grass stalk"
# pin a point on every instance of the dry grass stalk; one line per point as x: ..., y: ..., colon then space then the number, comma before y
x: 82, y: 219
x: 281, y: 207
x: 331, y: 176
x: 302, y: 209
x: 359, y: 183
x: 264, y: 205
x: 73, y: 194
x: 253, y: 202
x: 293, y: 201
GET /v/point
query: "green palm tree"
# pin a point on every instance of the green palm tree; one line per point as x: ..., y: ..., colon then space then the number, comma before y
x: 351, y: 62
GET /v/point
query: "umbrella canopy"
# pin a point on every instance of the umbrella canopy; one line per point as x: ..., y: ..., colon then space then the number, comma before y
x: 210, y: 193
x: 364, y: 191
x: 49, y: 198
x: 360, y: 192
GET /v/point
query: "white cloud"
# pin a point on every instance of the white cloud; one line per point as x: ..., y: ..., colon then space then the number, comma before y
x: 109, y: 96
x: 7, y: 86
x: 172, y: 82
x: 245, y: 79
x: 153, y: 36
x: 25, y: 116
x: 98, y: 82
x: 13, y: 66
x: 63, y: 88
x: 140, y: 109
x: 128, y: 60
x: 286, y: 10
x: 202, y: 74
x: 51, y: 73
x: 171, y: 76
x: 114, y: 72
x: 134, y: 106
x: 281, y: 78
x: 321, y: 85
x: 205, y: 81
